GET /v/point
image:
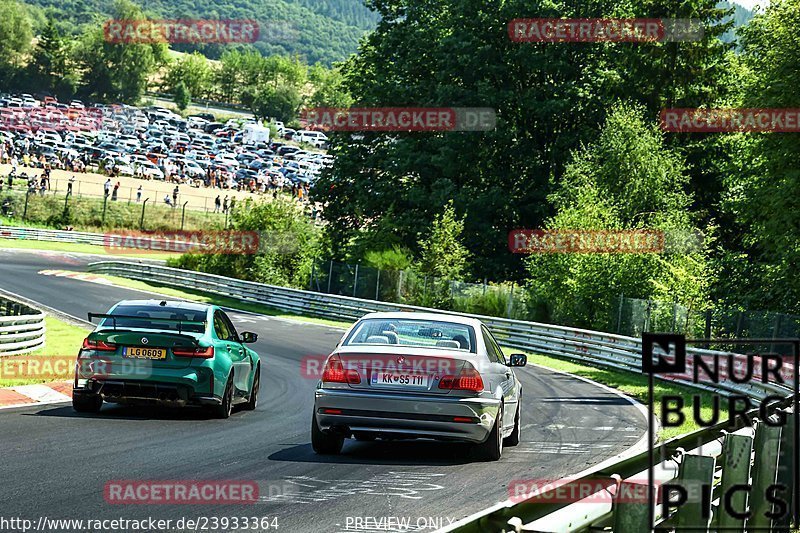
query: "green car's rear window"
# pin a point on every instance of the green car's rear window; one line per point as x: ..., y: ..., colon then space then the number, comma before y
x: 147, y: 312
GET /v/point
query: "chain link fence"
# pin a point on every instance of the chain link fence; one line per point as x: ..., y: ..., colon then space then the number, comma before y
x: 635, y: 316
x: 410, y: 288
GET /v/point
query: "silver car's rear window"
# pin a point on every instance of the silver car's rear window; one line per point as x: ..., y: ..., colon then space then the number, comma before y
x: 412, y: 333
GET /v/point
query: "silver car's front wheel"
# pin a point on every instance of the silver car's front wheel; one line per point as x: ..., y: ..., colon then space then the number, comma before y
x: 492, y: 448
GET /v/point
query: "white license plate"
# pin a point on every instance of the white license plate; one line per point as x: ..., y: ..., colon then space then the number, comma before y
x: 400, y: 379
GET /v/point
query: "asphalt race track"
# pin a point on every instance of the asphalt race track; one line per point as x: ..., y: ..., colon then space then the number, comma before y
x: 55, y: 463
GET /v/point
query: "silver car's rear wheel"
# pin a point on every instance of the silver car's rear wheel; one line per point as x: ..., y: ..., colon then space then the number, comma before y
x: 492, y: 448
x: 514, y: 438
x: 324, y: 443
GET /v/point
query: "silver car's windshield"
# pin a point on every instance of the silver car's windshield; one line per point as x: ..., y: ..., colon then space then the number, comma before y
x: 413, y: 333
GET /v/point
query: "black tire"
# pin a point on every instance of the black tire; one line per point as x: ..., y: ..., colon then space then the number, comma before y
x: 514, y: 438
x: 324, y: 443
x: 224, y: 410
x: 492, y: 448
x: 87, y: 403
x: 252, y: 401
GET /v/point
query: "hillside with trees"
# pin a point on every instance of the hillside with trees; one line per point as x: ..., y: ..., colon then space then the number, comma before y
x: 315, y: 31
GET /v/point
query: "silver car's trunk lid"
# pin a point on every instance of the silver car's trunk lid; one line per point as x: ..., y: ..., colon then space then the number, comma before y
x: 402, y: 370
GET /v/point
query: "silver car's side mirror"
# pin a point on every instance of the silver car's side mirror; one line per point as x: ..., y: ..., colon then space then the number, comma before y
x: 518, y: 359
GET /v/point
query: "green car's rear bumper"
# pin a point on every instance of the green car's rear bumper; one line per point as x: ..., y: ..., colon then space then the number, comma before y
x: 169, y: 386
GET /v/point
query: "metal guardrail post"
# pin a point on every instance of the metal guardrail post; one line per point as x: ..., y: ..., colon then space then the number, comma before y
x: 630, y: 513
x: 696, y: 472
x: 787, y: 469
x: 765, y: 473
x: 141, y: 221
x: 736, y: 453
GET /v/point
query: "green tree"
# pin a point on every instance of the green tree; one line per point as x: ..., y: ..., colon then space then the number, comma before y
x: 628, y: 179
x: 51, y: 67
x: 549, y: 98
x: 194, y: 71
x: 762, y: 202
x: 287, y: 245
x: 329, y: 87
x: 442, y: 255
x: 182, y: 96
x: 15, y: 39
x: 118, y: 71
x: 281, y: 103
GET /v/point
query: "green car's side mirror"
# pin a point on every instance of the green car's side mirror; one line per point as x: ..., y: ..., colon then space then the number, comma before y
x: 248, y: 337
x: 518, y: 359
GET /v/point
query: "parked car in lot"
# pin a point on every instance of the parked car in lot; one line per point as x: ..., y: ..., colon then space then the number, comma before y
x: 418, y: 375
x: 168, y: 353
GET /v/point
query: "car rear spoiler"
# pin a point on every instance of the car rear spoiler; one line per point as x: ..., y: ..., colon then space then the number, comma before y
x: 151, y: 319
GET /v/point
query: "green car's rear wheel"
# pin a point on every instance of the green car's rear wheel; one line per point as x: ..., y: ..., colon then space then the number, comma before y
x: 87, y: 403
x: 224, y: 409
x: 252, y: 401
x: 324, y: 443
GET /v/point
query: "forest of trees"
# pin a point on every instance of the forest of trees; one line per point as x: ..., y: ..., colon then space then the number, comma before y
x: 316, y: 31
x: 578, y: 145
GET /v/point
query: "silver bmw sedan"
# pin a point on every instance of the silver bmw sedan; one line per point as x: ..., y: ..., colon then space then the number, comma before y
x: 418, y: 375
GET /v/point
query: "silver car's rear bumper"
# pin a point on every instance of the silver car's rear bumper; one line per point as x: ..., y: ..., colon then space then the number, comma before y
x: 405, y: 415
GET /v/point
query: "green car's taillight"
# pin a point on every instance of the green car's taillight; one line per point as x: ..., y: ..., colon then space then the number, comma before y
x: 99, y: 346
x: 203, y: 353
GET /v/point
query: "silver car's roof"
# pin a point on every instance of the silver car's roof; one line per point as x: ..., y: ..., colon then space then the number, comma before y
x: 440, y: 317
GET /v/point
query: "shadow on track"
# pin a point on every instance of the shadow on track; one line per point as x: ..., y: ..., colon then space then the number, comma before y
x: 379, y: 452
x: 139, y: 412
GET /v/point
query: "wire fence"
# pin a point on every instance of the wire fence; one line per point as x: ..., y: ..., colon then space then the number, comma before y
x: 630, y: 316
x: 635, y: 316
x: 411, y: 288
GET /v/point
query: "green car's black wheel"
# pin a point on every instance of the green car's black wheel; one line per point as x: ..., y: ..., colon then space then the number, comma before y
x: 224, y: 409
x: 87, y: 403
x: 492, y: 448
x: 252, y: 401
x: 324, y: 443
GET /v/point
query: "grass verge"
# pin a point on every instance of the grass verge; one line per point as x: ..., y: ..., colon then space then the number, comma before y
x: 62, y: 343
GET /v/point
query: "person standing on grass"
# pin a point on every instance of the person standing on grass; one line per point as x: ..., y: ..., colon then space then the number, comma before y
x: 107, y: 187
x: 69, y: 185
x: 114, y: 194
x: 225, y: 205
x: 175, y: 195
x: 139, y: 194
x: 217, y: 203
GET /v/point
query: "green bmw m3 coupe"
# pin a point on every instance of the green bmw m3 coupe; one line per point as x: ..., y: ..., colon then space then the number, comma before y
x: 166, y: 353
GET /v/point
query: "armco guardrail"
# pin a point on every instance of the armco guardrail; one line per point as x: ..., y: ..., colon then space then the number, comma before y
x: 52, y: 235
x: 602, y: 349
x: 713, y: 454
x: 115, y: 240
x: 22, y: 328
